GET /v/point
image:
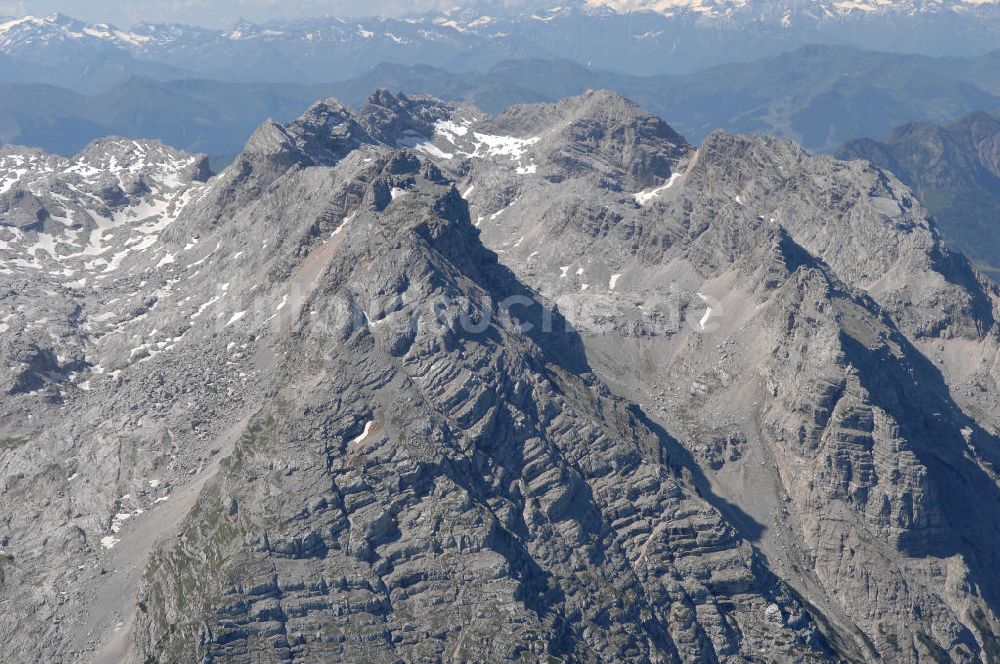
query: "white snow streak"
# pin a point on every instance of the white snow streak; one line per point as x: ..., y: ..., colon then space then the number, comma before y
x: 364, y: 434
x: 644, y: 197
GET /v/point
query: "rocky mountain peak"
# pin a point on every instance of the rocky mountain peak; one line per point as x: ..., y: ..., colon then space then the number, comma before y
x: 326, y: 112
x: 395, y: 119
x: 327, y: 132
x: 304, y: 398
x: 423, y: 409
x: 269, y: 140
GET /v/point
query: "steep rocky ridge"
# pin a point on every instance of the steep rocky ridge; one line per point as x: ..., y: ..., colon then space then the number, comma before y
x: 830, y: 300
x: 751, y: 431
x: 289, y: 281
x: 418, y: 490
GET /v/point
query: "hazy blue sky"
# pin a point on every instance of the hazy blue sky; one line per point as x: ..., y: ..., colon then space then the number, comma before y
x: 212, y: 12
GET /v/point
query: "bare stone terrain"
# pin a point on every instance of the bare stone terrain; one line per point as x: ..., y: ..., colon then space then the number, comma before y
x: 413, y: 383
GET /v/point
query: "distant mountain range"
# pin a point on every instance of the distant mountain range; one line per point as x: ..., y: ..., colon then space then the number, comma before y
x: 682, y: 37
x: 65, y: 83
x: 819, y: 96
x: 786, y: 11
x: 955, y: 170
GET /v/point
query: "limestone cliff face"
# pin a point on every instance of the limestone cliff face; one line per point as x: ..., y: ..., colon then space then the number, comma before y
x: 411, y: 383
x: 811, y: 372
x: 417, y: 490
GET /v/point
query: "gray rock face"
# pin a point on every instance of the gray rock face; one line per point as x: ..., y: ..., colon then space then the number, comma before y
x: 805, y: 389
x: 955, y: 168
x: 424, y: 491
x: 411, y: 383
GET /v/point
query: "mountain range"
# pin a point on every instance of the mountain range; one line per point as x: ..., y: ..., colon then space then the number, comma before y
x: 649, y: 331
x: 417, y: 382
x: 818, y: 96
x: 681, y: 38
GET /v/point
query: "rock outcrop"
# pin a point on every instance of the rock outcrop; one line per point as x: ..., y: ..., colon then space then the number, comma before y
x: 955, y: 169
x: 411, y: 383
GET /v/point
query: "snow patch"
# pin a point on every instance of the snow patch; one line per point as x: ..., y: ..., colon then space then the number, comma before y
x: 236, y: 317
x: 364, y: 434
x: 341, y: 227
x: 203, y: 307
x: 703, y: 323
x: 420, y: 143
x: 490, y: 145
x: 644, y: 197
x: 450, y: 130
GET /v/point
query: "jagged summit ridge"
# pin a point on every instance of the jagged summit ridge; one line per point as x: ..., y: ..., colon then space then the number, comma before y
x: 458, y: 449
x: 757, y: 228
x: 629, y: 147
x: 752, y: 353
